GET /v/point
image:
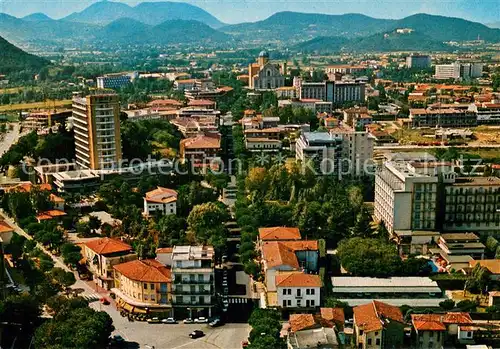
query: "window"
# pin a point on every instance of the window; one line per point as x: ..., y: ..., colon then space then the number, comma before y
x: 299, y: 303
x: 145, y: 286
x: 153, y: 298
x: 289, y: 302
x: 145, y: 297
x: 284, y: 302
x: 312, y: 303
x: 284, y: 291
x: 376, y: 333
x: 439, y: 336
x: 152, y: 286
x: 431, y: 334
x: 369, y: 341
x: 312, y: 290
x: 360, y: 332
x: 377, y: 341
x: 308, y: 291
x: 299, y: 292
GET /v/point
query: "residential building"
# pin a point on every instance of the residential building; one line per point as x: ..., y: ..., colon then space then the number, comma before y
x: 458, y: 70
x: 287, y: 92
x: 262, y: 144
x: 312, y: 90
x: 115, y: 81
x: 405, y: 196
x: 493, y: 266
x: 306, y: 333
x: 194, y: 84
x: 339, y: 92
x: 195, y: 125
x: 143, y: 286
x: 472, y: 204
x: 101, y: 255
x: 265, y: 75
x: 201, y: 151
x: 164, y: 104
x: 96, y: 121
x: 297, y: 290
x: 357, y: 150
x: 378, y: 325
x: 494, y: 298
x: 142, y: 114
x: 160, y: 199
x: 194, y: 283
x: 321, y: 149
x: 278, y: 234
x: 38, y: 120
x: 486, y: 113
x: 344, y: 69
x: 448, y: 117
x: 416, y: 61
x: 314, y: 105
x: 435, y: 331
x: 357, y: 116
x: 460, y: 244
x: 415, y: 242
x: 412, y: 290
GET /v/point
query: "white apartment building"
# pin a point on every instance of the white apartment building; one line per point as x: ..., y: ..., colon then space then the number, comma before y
x: 458, y: 70
x: 486, y: 113
x: 321, y: 150
x: 161, y: 199
x: 406, y: 193
x: 298, y: 290
x: 418, y: 61
x: 115, y: 81
x: 357, y: 150
x: 193, y: 286
x: 96, y: 122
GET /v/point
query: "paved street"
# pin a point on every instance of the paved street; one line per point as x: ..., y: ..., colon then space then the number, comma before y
x: 10, y: 138
x: 163, y: 336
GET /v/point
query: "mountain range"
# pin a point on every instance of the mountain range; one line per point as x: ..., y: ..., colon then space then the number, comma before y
x: 13, y: 58
x: 108, y: 22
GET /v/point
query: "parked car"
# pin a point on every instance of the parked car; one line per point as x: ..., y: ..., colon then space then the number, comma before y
x: 196, y: 334
x: 188, y: 321
x: 154, y: 320
x: 201, y: 320
x: 104, y: 301
x: 169, y: 320
x: 215, y: 323
x: 244, y: 344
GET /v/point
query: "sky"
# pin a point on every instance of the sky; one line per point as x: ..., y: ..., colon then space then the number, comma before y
x: 237, y: 11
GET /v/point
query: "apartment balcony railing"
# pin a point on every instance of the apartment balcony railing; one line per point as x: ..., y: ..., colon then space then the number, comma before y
x: 193, y: 282
x: 192, y: 293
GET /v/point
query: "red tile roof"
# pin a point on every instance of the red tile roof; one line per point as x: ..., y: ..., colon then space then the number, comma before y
x: 301, y: 322
x: 147, y: 270
x: 50, y: 214
x: 428, y: 322
x: 279, y: 233
x: 333, y: 314
x: 200, y: 103
x: 458, y: 318
x: 27, y: 186
x: 164, y: 250
x: 370, y: 317
x: 493, y: 265
x: 201, y: 142
x: 298, y: 280
x: 5, y: 228
x: 108, y: 245
x: 278, y: 253
x: 161, y: 195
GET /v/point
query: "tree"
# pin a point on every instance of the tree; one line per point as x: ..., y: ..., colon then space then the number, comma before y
x: 171, y: 230
x: 94, y: 223
x: 20, y: 205
x: 62, y: 277
x: 23, y: 309
x: 362, y: 226
x: 206, y: 218
x: 355, y: 253
x: 71, y: 254
x: 478, y: 279
x: 447, y: 304
x: 16, y: 246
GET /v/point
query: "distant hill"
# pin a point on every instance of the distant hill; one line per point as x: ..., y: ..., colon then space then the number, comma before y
x: 382, y: 42
x: 13, y: 58
x: 169, y: 32
x: 449, y: 28
x: 152, y: 13
x: 37, y: 17
x: 293, y: 26
x: 493, y: 25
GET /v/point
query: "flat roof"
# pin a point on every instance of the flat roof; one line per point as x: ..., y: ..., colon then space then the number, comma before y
x: 413, y: 302
x: 399, y: 281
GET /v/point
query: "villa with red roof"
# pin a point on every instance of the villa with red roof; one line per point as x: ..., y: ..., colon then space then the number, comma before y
x: 101, y: 255
x: 160, y: 199
x: 433, y: 330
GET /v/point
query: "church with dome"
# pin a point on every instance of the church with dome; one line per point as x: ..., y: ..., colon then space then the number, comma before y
x: 265, y: 75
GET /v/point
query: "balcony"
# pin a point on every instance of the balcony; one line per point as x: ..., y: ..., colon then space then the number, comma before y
x: 192, y: 292
x: 194, y: 282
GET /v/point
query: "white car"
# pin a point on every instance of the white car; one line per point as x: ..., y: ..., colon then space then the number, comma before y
x: 188, y: 321
x: 201, y: 320
x: 169, y: 320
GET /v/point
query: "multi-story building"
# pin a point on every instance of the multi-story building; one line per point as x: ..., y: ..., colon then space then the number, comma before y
x: 286, y: 92
x: 201, y: 151
x: 161, y: 199
x: 378, y: 325
x: 115, y: 81
x: 461, y: 244
x: 434, y: 330
x: 486, y: 113
x: 36, y: 121
x: 458, y: 70
x: 418, y: 61
x: 194, y: 84
x: 472, y: 204
x: 448, y: 117
x: 96, y: 121
x: 320, y: 149
x: 143, y: 284
x: 193, y: 277
x: 357, y: 150
x: 339, y: 92
x: 406, y: 193
x: 312, y: 90
x: 357, y: 116
x: 297, y: 290
x: 102, y: 254
x: 344, y: 69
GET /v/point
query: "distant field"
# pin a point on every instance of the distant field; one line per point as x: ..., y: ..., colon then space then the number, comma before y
x: 37, y: 105
x: 12, y: 90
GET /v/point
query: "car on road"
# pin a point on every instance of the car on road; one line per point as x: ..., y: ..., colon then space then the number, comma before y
x: 154, y: 320
x: 169, y: 320
x: 215, y: 323
x: 196, y: 334
x: 201, y: 320
x: 188, y: 321
x: 104, y: 301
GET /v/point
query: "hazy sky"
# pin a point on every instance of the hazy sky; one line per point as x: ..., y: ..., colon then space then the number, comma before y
x: 235, y: 11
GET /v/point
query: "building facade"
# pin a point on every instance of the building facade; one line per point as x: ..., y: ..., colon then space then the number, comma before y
x: 96, y: 122
x: 321, y: 149
x: 357, y: 150
x: 161, y: 199
x: 449, y: 117
x: 297, y: 290
x: 265, y: 75
x: 418, y: 61
x: 114, y: 81
x: 193, y: 279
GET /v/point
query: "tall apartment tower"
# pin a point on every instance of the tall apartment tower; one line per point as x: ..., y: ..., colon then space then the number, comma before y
x: 96, y: 121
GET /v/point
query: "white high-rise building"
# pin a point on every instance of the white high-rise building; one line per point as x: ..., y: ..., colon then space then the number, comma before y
x: 96, y: 121
x: 357, y: 150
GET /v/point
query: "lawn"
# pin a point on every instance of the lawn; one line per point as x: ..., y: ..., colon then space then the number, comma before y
x: 36, y: 105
